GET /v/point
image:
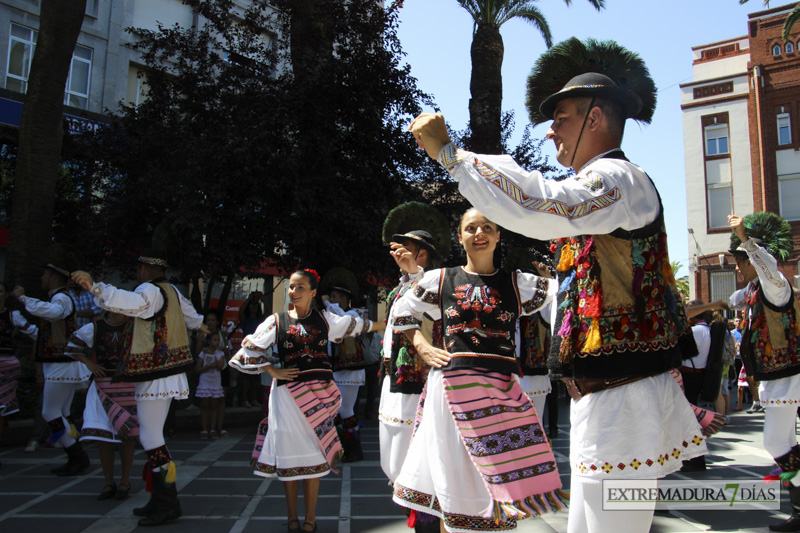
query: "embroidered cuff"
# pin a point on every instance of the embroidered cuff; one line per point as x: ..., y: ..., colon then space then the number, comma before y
x: 450, y: 156
x: 751, y: 245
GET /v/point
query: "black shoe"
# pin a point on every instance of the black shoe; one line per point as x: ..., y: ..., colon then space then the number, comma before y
x: 123, y: 493
x: 166, y: 507
x: 696, y: 464
x: 352, y: 450
x: 553, y: 433
x: 793, y: 523
x: 294, y: 529
x: 78, y: 461
x: 107, y: 494
x: 57, y: 470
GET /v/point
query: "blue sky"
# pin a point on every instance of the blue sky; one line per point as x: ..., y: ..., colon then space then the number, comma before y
x: 436, y: 36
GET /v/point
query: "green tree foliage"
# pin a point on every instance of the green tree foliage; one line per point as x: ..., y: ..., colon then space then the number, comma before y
x: 681, y: 282
x: 237, y: 152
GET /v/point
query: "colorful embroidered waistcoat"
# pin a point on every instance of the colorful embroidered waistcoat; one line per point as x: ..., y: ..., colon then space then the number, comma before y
x: 619, y: 314
x: 534, y: 347
x: 407, y: 370
x: 303, y: 344
x: 53, y: 336
x: 6, y: 333
x: 111, y: 343
x: 160, y: 344
x: 479, y: 316
x: 771, y: 337
x: 348, y: 354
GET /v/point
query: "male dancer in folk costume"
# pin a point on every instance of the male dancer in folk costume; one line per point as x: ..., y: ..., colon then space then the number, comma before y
x: 533, y: 337
x: 110, y: 413
x: 61, y: 372
x: 156, y: 362
x: 621, y: 326
x: 419, y: 237
x: 771, y: 339
x: 347, y: 357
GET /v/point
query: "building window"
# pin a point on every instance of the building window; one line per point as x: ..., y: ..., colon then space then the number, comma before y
x: 22, y: 45
x: 20, y: 53
x: 716, y: 139
x: 720, y: 204
x: 723, y: 284
x: 776, y: 50
x: 784, y: 129
x: 789, y: 48
x: 789, y: 192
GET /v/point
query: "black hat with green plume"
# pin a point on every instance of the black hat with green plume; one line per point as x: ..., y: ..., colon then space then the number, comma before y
x: 770, y: 230
x: 591, y: 68
x: 422, y: 224
x: 63, y: 258
x: 340, y: 279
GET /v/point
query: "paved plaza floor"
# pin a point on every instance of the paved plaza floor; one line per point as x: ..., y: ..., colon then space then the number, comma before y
x: 219, y: 493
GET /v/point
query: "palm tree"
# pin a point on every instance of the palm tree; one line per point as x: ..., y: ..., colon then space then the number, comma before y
x: 788, y: 24
x: 681, y: 282
x: 486, y: 81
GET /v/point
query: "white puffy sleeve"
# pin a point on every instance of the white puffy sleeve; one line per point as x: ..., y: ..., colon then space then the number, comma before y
x: 535, y: 293
x: 605, y: 195
x: 256, y: 351
x: 776, y: 287
x: 81, y: 341
x: 349, y: 324
x: 418, y: 301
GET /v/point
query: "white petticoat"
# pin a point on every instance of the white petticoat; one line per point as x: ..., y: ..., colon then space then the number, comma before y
x: 350, y: 377
x: 175, y: 386
x: 291, y: 449
x: 396, y: 413
x: 96, y: 424
x: 780, y: 392
x: 537, y: 388
x: 643, y: 430
x: 74, y: 372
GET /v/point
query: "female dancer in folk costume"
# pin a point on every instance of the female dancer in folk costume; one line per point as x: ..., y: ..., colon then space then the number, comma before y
x: 419, y: 236
x: 479, y: 458
x: 299, y: 441
x: 61, y: 372
x: 10, y: 322
x: 110, y: 413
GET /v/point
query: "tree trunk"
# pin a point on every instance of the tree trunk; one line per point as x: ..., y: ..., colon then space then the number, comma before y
x: 486, y: 88
x: 40, y: 138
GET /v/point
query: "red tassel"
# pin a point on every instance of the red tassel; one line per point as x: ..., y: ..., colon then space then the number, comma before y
x: 412, y: 519
x: 147, y: 477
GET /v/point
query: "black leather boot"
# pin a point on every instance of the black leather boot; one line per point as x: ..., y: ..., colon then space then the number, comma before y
x: 166, y: 508
x: 147, y: 510
x: 77, y: 461
x: 793, y: 523
x: 352, y: 447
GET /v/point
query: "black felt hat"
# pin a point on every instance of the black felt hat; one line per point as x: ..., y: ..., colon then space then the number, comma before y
x: 421, y: 237
x: 421, y: 223
x: 593, y: 84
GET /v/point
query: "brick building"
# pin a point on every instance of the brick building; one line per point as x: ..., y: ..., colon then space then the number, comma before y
x: 741, y: 118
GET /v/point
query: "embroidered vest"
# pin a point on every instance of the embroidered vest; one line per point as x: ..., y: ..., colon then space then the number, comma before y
x: 111, y: 343
x: 534, y: 347
x: 771, y: 336
x: 348, y: 354
x: 160, y: 344
x: 619, y: 313
x: 479, y: 316
x: 303, y: 344
x: 407, y: 371
x: 53, y: 336
x: 6, y: 333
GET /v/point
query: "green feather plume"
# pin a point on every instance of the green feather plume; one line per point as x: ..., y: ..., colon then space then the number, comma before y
x: 572, y: 57
x: 411, y: 216
x: 774, y: 232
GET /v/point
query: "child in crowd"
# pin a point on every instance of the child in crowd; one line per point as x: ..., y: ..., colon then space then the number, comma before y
x: 210, y: 362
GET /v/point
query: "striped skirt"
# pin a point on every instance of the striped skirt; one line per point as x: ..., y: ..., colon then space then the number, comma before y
x: 299, y: 440
x: 110, y: 413
x: 9, y: 375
